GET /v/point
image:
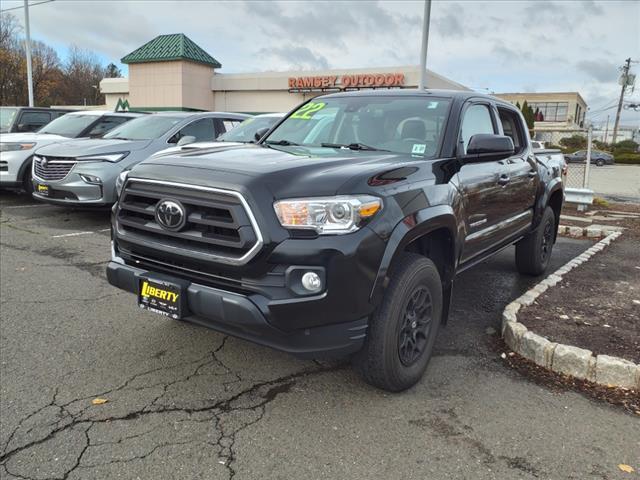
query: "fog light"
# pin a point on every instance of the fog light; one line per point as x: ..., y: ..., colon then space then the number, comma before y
x: 311, y: 281
x: 91, y: 179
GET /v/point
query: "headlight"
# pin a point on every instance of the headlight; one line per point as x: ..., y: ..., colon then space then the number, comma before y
x: 104, y: 157
x: 11, y: 147
x: 327, y: 215
x: 120, y: 181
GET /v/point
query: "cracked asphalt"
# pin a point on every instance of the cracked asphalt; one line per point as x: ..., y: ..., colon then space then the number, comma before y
x: 184, y: 402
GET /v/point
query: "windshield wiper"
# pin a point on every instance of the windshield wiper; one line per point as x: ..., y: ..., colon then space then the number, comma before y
x: 284, y: 143
x: 353, y: 146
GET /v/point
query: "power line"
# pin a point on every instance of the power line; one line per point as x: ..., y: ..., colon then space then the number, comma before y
x: 30, y: 5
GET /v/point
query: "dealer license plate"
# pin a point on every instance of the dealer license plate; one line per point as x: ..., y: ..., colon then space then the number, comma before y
x: 42, y: 189
x: 160, y: 296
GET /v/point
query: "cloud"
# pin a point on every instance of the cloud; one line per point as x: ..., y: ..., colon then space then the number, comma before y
x: 503, y: 46
x: 601, y: 70
x: 294, y: 57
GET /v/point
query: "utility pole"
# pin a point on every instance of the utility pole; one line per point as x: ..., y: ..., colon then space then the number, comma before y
x: 625, y: 75
x: 425, y: 42
x: 606, y: 131
x: 28, y: 49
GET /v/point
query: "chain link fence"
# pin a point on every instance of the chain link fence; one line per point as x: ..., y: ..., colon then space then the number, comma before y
x: 554, y: 137
x: 576, y: 176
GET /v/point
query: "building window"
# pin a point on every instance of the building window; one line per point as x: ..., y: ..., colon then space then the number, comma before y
x: 550, y: 111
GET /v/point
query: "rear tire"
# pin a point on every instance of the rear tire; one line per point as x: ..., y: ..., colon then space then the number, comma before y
x: 403, y: 329
x: 600, y: 162
x: 534, y: 251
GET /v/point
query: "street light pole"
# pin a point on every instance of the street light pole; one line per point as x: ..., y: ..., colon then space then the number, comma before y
x: 28, y: 49
x: 425, y: 41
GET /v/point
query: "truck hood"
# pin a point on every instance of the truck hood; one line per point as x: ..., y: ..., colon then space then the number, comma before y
x: 284, y: 171
x: 92, y: 146
x: 191, y: 147
x: 31, y: 137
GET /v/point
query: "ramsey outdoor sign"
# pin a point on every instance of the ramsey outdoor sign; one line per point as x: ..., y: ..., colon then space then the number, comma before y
x: 365, y: 80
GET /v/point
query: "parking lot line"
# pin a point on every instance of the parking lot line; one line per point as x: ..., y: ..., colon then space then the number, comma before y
x: 26, y: 206
x: 77, y: 234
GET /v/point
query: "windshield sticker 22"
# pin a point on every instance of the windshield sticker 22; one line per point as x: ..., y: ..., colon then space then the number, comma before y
x: 308, y: 110
x: 418, y: 148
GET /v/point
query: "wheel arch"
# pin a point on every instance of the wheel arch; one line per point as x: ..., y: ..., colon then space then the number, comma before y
x: 431, y: 232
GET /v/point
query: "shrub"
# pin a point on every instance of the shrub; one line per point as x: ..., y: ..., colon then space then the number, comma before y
x: 627, y: 158
x: 625, y: 146
x: 600, y: 202
x: 575, y: 142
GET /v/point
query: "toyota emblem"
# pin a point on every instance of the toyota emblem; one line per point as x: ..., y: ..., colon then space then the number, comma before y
x: 170, y: 214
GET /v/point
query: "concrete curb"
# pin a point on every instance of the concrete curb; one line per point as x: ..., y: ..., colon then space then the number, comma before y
x: 589, y: 232
x: 566, y: 359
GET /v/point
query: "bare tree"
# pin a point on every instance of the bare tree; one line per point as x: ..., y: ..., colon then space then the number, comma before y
x: 82, y: 75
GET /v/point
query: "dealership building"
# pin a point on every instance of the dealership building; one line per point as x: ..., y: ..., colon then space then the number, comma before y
x: 171, y: 72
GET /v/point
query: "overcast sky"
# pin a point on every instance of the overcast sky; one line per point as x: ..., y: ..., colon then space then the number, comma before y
x: 502, y: 46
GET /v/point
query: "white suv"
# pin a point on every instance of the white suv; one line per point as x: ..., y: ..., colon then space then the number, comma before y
x: 17, y: 149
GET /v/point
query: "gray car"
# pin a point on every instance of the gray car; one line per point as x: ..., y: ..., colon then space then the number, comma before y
x: 84, y: 172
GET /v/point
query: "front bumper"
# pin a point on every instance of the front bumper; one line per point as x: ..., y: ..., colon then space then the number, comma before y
x: 247, y: 316
x: 74, y: 191
x: 12, y: 167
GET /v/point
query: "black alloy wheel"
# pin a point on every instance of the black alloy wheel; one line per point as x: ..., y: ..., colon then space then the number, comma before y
x: 414, y: 329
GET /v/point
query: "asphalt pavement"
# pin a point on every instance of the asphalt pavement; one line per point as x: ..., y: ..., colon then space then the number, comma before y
x: 184, y: 402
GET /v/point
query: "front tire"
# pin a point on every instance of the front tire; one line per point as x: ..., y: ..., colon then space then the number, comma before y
x: 403, y: 329
x: 27, y: 180
x: 600, y: 162
x: 534, y: 251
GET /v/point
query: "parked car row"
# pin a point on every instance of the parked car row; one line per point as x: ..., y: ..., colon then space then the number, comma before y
x: 77, y: 158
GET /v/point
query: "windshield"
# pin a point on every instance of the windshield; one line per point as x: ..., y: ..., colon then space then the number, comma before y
x: 411, y: 125
x: 144, y: 128
x: 69, y: 125
x: 245, y: 132
x: 6, y: 118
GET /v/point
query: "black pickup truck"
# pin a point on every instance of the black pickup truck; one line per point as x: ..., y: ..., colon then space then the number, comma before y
x: 340, y: 232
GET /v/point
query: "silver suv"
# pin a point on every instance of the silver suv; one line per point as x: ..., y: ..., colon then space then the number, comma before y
x: 84, y: 172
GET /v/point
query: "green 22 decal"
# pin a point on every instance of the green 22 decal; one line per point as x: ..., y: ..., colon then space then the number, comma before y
x: 306, y: 111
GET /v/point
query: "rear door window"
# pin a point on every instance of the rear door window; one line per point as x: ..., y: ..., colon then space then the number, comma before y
x: 512, y: 128
x: 104, y: 125
x: 203, y: 130
x: 34, y: 120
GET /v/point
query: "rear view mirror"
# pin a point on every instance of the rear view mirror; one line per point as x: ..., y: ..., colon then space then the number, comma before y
x: 485, y: 147
x: 261, y: 132
x: 186, y: 140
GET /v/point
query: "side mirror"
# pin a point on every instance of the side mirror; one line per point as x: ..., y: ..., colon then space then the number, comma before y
x: 485, y: 147
x: 23, y: 127
x: 186, y: 140
x: 261, y: 132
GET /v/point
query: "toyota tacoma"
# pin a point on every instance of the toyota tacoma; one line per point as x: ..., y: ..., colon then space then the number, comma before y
x: 341, y: 231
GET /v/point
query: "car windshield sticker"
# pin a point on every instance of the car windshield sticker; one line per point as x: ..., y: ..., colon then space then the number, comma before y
x: 418, y: 148
x: 308, y: 110
x: 432, y: 105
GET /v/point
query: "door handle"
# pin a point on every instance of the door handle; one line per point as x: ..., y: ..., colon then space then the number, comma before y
x: 504, y: 179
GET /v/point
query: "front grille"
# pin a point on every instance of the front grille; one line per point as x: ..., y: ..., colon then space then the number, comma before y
x: 52, y: 168
x: 219, y: 225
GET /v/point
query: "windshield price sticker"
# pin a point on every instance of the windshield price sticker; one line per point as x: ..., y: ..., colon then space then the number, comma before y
x: 418, y: 148
x: 308, y: 110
